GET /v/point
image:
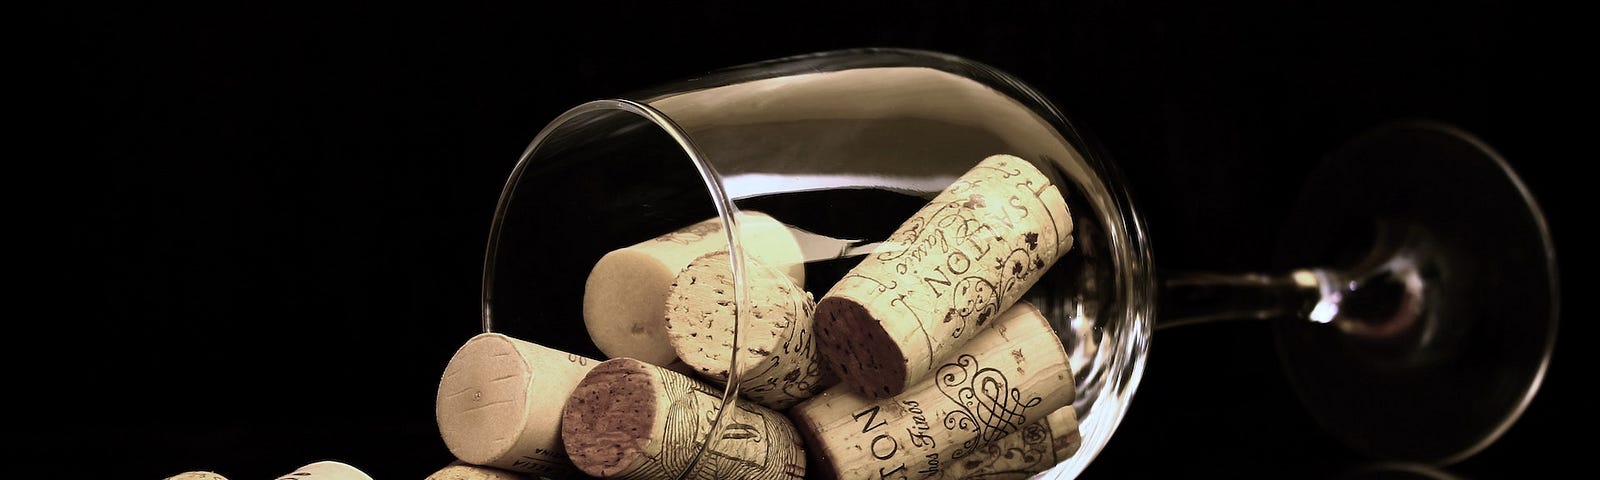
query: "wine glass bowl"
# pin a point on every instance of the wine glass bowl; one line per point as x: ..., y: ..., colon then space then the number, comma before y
x: 840, y: 147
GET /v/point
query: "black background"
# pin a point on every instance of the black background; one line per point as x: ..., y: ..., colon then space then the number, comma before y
x: 265, y: 223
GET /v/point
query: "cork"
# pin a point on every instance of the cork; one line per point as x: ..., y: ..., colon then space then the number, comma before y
x: 326, y: 470
x: 459, y: 470
x: 625, y: 294
x: 943, y: 275
x: 633, y: 420
x: 1037, y: 447
x: 197, y: 475
x: 1068, y: 438
x: 1008, y: 376
x: 499, y: 403
x: 778, y: 364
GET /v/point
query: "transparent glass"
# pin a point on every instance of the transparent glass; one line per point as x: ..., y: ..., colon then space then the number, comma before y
x: 842, y: 147
x: 1415, y: 305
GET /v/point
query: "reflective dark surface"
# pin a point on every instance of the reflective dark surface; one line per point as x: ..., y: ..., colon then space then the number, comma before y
x: 272, y: 218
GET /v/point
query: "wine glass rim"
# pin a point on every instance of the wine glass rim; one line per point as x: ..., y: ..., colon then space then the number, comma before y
x: 713, y: 183
x: 1129, y: 344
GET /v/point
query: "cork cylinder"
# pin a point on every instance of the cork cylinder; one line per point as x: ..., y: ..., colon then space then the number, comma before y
x: 778, y: 364
x: 1037, y: 447
x: 326, y: 470
x: 1064, y: 432
x: 459, y: 470
x: 943, y: 275
x: 632, y: 420
x: 499, y: 403
x: 1008, y: 376
x: 197, y: 475
x: 625, y: 295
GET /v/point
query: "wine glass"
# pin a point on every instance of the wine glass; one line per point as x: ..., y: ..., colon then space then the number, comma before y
x: 1414, y: 306
x: 841, y: 147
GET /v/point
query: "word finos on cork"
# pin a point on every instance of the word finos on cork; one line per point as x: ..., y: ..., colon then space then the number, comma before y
x: 943, y: 275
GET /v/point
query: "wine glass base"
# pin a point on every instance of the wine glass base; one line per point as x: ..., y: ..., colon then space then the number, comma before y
x: 1469, y: 356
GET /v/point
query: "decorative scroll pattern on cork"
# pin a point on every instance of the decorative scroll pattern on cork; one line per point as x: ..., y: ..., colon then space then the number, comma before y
x: 1007, y: 377
x: 987, y: 405
x: 1035, y: 448
x: 778, y: 357
x: 755, y: 443
x: 959, y: 261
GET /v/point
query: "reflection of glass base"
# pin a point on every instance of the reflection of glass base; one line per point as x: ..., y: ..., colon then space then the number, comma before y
x: 1443, y: 381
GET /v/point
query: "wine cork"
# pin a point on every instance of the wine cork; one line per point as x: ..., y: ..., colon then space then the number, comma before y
x: 1068, y: 438
x: 197, y: 475
x: 459, y: 470
x: 778, y: 364
x: 1037, y: 447
x: 326, y: 470
x: 499, y: 403
x: 1009, y: 375
x: 625, y: 296
x: 633, y: 420
x: 959, y: 261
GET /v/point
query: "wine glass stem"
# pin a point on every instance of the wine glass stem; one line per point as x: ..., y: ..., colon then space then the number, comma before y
x: 1189, y: 298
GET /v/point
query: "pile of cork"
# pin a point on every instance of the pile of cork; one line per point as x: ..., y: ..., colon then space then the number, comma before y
x: 920, y: 362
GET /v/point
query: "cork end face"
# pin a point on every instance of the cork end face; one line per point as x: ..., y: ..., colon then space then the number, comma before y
x: 607, y: 423
x: 701, y: 309
x: 857, y: 349
x: 482, y: 400
x: 623, y: 306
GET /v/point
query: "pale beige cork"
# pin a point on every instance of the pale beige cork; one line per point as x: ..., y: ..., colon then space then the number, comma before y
x: 1064, y: 430
x: 197, y: 475
x: 632, y: 420
x: 778, y: 364
x: 459, y: 470
x: 326, y: 470
x: 625, y: 295
x: 943, y: 275
x: 499, y: 403
x: 1035, y: 448
x: 1008, y: 376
